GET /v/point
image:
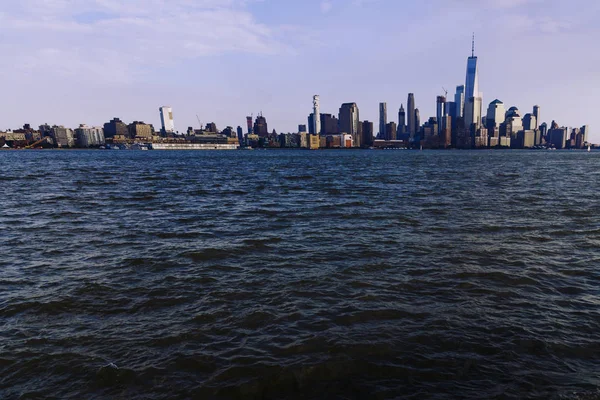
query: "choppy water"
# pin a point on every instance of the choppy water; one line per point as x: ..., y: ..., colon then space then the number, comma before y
x: 292, y: 275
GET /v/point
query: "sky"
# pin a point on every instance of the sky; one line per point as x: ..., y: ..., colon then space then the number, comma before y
x: 69, y: 62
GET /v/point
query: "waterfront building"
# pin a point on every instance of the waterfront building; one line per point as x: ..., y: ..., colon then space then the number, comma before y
x: 140, y: 130
x: 86, y: 136
x: 260, y: 126
x: 314, y: 142
x: 316, y: 115
x: 166, y: 120
x: 382, y: 120
x: 585, y: 132
x: 115, y: 127
x: 412, y: 124
x: 349, y: 121
x: 446, y: 132
x: 63, y: 137
x: 557, y: 137
x: 302, y: 128
x: 367, y: 134
x: 401, y: 121
x: 525, y: 139
x: 347, y: 140
x: 240, y: 134
x: 440, y: 112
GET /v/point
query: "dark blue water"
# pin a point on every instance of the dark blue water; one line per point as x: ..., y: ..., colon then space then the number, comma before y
x: 299, y: 275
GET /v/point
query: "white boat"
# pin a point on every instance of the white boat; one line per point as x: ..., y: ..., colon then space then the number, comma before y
x: 589, y: 148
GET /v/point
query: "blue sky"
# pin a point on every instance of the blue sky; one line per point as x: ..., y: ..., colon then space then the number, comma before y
x: 86, y: 61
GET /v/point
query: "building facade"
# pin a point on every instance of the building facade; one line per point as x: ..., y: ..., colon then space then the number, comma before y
x: 166, y: 119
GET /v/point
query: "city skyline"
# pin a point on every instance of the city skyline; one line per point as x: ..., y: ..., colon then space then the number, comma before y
x: 56, y: 85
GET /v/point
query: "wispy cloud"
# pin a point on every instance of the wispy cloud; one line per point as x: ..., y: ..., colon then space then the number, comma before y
x: 110, y: 39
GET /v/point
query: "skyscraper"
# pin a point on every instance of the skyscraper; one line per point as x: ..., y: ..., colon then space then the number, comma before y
x: 529, y: 122
x: 440, y: 112
x: 495, y: 116
x: 473, y: 101
x: 349, y: 120
x: 412, y: 128
x: 166, y: 119
x: 329, y: 124
x: 401, y: 120
x: 382, y: 119
x: 260, y: 126
x: 391, y: 129
x: 459, y: 100
x: 367, y: 133
x: 417, y: 122
x: 249, y: 123
x: 316, y: 115
x: 536, y: 113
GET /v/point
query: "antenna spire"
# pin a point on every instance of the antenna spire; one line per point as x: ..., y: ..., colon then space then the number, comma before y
x: 473, y: 46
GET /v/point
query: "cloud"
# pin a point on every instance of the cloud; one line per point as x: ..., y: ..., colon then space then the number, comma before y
x: 326, y: 6
x: 113, y: 40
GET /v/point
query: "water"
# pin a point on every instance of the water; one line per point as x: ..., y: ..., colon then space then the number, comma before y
x: 299, y: 275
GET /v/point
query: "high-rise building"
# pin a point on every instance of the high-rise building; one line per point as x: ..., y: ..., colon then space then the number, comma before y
x: 412, y: 126
x: 459, y: 101
x: 329, y: 124
x: 249, y: 124
x: 536, y: 113
x: 401, y: 120
x: 472, y: 80
x: 440, y: 112
x: 86, y: 136
x: 496, y: 115
x: 302, y: 128
x: 316, y: 115
x: 390, y: 131
x: 240, y: 134
x: 349, y: 120
x: 417, y: 122
x: 367, y: 133
x: 166, y: 119
x: 63, y: 137
x: 473, y: 100
x: 382, y: 119
x: 115, y: 127
x: 138, y: 129
x: 260, y: 126
x: 529, y: 122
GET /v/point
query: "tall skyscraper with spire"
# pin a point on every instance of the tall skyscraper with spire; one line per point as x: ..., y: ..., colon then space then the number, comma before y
x: 401, y: 120
x: 473, y: 100
x: 412, y: 127
x: 382, y: 119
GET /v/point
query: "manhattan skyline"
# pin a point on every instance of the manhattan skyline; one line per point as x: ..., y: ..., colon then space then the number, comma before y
x: 72, y: 63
